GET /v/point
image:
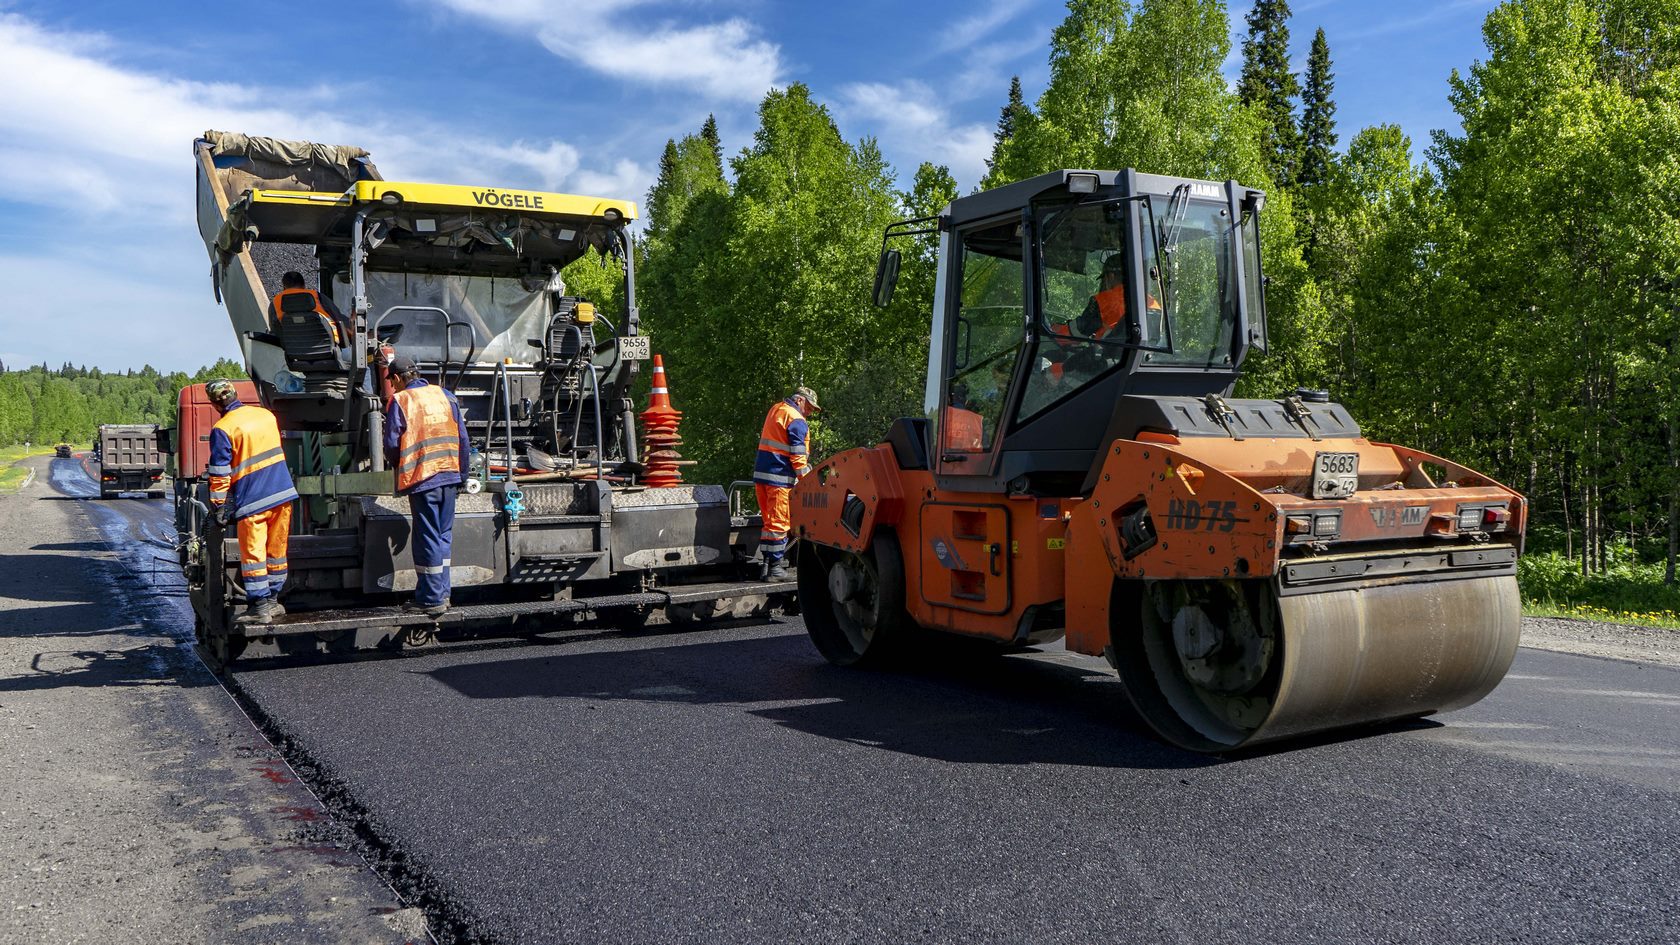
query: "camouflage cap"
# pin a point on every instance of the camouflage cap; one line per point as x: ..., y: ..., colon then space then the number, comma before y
x: 220, y: 391
x: 809, y: 395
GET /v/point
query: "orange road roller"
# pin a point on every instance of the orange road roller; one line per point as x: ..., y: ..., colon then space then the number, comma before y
x: 1254, y: 569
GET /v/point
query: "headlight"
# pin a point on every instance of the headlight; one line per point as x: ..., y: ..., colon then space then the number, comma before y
x: 1470, y: 519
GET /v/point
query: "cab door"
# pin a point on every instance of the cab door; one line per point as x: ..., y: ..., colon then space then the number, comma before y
x: 965, y: 541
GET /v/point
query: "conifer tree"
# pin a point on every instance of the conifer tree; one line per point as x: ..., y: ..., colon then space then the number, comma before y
x: 1268, y: 86
x: 1318, y: 121
x: 1008, y: 122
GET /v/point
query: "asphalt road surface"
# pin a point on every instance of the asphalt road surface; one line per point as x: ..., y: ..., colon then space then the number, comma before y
x: 727, y: 785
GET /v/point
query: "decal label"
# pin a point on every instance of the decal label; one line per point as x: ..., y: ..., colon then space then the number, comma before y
x: 493, y: 198
x: 1211, y: 516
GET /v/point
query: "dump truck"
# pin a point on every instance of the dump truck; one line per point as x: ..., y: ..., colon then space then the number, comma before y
x: 131, y: 459
x: 570, y: 524
x: 1254, y: 569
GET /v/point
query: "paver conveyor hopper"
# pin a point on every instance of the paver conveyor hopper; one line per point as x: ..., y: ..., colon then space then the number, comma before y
x: 1254, y: 569
x: 467, y: 281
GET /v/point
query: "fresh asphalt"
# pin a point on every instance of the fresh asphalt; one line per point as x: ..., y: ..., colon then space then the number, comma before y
x: 727, y: 785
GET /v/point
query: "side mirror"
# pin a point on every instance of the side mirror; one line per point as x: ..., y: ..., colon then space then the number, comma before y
x: 166, y: 440
x: 886, y: 277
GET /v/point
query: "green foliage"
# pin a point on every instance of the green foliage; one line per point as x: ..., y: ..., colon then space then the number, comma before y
x: 1318, y: 121
x: 1269, y: 86
x: 755, y: 288
x: 1624, y: 589
x: 67, y: 405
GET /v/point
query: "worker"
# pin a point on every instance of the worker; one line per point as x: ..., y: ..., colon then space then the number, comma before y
x: 1103, y: 314
x: 783, y: 459
x: 250, y: 485
x: 291, y: 283
x: 426, y: 442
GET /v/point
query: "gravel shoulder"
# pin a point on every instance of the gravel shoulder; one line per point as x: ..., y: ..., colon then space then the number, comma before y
x: 1610, y: 640
x: 138, y: 803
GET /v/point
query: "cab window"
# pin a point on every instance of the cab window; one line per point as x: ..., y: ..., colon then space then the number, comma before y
x: 986, y: 337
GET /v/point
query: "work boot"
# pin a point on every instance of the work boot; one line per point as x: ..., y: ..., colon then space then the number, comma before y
x: 777, y: 571
x: 433, y: 611
x: 261, y: 611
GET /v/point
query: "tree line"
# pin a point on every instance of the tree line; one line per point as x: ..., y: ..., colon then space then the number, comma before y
x: 45, y: 406
x: 1504, y: 295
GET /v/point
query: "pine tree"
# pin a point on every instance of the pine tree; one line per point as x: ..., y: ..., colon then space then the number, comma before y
x: 1009, y: 121
x: 1318, y: 121
x: 1268, y: 86
x: 709, y: 134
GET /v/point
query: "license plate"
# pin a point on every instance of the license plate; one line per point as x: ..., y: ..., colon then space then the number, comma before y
x: 635, y: 348
x: 1335, y: 475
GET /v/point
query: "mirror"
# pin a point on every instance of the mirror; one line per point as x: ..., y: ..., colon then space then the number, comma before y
x: 166, y: 440
x: 886, y: 277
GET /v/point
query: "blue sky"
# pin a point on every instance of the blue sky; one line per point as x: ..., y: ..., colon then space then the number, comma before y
x: 100, y: 101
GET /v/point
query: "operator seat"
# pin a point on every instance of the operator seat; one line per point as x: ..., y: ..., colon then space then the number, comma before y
x: 306, y: 335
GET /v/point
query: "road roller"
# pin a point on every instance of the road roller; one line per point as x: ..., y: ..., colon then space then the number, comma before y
x: 1254, y: 569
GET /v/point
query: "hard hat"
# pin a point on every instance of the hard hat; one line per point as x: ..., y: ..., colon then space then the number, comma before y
x: 809, y: 395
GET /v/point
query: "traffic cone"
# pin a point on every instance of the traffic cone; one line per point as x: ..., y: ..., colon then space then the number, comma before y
x: 663, y: 463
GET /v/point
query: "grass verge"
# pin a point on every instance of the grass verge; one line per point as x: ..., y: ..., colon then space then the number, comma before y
x: 11, y: 474
x: 1629, y: 591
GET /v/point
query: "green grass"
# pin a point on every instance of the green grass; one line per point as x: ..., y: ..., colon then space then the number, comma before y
x: 1629, y: 591
x: 12, y: 475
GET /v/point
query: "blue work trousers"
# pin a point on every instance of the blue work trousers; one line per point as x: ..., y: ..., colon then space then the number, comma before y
x: 434, y: 529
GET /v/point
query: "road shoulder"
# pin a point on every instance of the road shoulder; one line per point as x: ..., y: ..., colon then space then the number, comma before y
x: 141, y: 803
x: 1613, y: 641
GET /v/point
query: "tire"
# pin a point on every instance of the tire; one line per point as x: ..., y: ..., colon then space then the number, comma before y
x: 870, y: 626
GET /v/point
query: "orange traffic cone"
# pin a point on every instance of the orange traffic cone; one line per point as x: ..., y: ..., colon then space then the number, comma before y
x: 660, y: 420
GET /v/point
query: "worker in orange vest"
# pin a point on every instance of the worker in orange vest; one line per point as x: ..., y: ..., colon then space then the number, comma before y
x: 426, y: 442
x: 783, y: 458
x: 291, y: 283
x: 1103, y: 315
x: 250, y: 485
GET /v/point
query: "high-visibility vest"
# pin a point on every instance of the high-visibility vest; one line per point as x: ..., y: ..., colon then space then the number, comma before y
x: 1111, y: 309
x: 782, y: 449
x: 430, y: 441
x: 247, y: 466
x: 962, y: 430
x: 321, y: 310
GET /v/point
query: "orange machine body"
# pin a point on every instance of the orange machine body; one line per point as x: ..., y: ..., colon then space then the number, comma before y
x: 1023, y: 568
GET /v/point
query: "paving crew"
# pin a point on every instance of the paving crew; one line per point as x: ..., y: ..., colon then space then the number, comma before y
x: 426, y: 442
x: 783, y: 457
x: 291, y: 283
x: 250, y: 485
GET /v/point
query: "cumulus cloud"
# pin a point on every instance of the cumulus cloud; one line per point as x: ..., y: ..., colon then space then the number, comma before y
x: 907, y: 121
x: 723, y: 59
x: 95, y: 171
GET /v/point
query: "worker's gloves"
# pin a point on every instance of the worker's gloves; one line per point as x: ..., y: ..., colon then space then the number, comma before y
x: 224, y: 514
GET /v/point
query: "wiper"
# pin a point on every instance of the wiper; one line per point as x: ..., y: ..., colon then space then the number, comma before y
x: 1172, y: 221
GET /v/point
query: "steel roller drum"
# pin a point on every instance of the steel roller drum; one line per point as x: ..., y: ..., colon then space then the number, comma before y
x: 1321, y: 661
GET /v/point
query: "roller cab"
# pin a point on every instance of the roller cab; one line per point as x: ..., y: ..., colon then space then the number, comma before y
x: 1254, y: 569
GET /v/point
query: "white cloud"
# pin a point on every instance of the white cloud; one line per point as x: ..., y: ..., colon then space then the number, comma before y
x: 907, y: 121
x: 968, y: 31
x: 95, y: 167
x: 723, y: 59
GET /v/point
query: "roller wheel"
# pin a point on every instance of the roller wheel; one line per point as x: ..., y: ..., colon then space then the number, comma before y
x: 854, y: 603
x: 1217, y: 665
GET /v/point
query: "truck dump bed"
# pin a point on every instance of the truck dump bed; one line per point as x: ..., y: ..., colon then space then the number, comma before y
x: 130, y: 458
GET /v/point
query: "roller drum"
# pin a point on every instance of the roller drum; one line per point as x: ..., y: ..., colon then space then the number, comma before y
x: 1247, y: 666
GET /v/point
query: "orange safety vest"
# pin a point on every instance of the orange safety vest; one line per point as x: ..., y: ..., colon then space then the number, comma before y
x: 964, y: 430
x: 1111, y: 308
x: 254, y: 477
x: 320, y: 310
x: 430, y: 441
